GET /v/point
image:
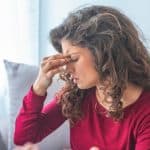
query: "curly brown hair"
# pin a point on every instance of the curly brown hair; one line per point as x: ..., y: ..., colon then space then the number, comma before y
x: 117, y: 48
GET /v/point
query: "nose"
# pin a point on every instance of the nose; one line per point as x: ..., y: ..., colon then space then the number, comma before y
x: 70, y: 67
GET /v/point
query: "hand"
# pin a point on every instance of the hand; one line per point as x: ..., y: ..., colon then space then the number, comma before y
x: 28, y: 146
x: 49, y: 67
x: 94, y: 148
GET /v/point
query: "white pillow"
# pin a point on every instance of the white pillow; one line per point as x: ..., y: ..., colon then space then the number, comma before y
x: 3, y: 104
x: 2, y: 145
x: 20, y: 78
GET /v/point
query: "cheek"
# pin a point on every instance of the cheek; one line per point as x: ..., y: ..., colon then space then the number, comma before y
x: 87, y: 80
x: 88, y: 76
x: 88, y: 73
x: 85, y: 65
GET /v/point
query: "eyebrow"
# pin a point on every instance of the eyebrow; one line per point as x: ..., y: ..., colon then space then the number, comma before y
x: 74, y: 53
x: 67, y: 51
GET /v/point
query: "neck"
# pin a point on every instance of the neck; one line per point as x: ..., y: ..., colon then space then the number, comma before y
x: 130, y: 95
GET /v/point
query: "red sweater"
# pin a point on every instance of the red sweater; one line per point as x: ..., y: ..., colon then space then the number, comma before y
x: 34, y: 122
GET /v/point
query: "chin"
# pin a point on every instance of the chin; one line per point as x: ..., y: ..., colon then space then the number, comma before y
x: 84, y: 87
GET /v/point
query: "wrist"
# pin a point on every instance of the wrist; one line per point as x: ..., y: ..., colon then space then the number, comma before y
x: 39, y: 91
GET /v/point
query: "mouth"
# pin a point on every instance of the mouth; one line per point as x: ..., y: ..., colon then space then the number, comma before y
x: 74, y: 79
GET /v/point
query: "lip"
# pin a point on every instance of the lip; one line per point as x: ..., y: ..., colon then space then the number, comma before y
x: 75, y: 77
x: 75, y: 80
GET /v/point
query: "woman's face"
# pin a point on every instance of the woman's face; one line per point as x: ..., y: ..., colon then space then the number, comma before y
x: 83, y: 69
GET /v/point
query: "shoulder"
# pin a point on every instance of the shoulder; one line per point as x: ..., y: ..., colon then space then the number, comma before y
x: 144, y: 101
x: 139, y: 120
x: 141, y: 111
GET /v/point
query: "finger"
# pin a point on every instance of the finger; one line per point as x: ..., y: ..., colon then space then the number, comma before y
x: 51, y: 73
x: 53, y: 64
x: 49, y: 59
x: 18, y: 148
x: 58, y: 56
x: 94, y: 148
x: 45, y: 58
x: 30, y: 146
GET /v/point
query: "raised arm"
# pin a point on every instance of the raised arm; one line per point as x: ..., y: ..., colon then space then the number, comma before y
x: 34, y: 121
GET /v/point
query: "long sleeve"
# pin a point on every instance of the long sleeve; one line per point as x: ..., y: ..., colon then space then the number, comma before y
x: 34, y: 122
x: 143, y: 136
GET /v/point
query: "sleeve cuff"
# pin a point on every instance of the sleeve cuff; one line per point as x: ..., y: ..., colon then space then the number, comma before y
x: 33, y: 102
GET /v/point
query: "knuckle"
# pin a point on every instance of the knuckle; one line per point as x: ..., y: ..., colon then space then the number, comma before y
x: 63, y: 61
x: 50, y: 62
x: 49, y: 75
x: 45, y: 58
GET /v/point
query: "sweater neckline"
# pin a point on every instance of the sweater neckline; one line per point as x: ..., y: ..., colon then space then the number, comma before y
x: 101, y: 109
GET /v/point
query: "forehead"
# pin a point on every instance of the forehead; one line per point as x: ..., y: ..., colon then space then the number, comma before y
x: 68, y: 47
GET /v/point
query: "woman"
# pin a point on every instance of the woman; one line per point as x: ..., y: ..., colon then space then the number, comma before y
x: 106, y: 96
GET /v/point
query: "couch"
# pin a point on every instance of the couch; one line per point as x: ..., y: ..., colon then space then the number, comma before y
x: 20, y: 77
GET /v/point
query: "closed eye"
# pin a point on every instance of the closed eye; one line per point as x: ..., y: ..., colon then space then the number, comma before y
x: 74, y: 57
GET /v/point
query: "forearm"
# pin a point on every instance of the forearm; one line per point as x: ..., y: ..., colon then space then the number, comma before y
x: 34, y: 122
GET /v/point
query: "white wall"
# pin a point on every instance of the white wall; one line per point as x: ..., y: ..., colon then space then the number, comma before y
x: 19, y: 30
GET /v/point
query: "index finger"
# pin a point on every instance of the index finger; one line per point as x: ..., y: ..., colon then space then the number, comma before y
x: 58, y: 56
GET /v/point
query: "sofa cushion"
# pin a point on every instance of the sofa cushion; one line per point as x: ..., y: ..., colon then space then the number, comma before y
x: 3, y: 117
x: 2, y: 144
x: 3, y: 104
x: 20, y: 78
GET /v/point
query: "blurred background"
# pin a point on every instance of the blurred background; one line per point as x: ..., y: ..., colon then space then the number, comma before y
x: 25, y: 26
